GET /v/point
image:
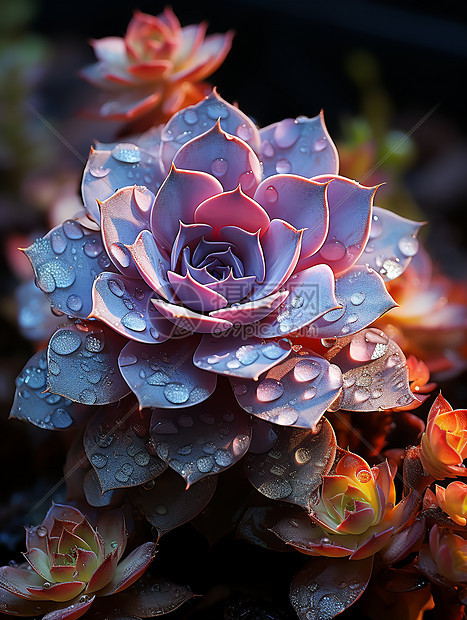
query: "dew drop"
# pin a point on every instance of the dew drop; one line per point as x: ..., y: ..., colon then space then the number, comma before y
x: 99, y: 460
x: 223, y: 458
x: 142, y: 458
x: 190, y: 116
x: 93, y: 343
x: 247, y: 180
x: 376, y: 227
x: 233, y: 364
x: 244, y: 132
x: 240, y: 389
x: 176, y: 393
x: 272, y: 351
x: 361, y: 395
x: 98, y: 171
x: 328, y: 607
x: 283, y: 166
x: 364, y: 476
x: 93, y: 247
x: 276, y: 489
x: 310, y: 393
x: 219, y: 167
x: 74, y: 303
x: 306, y: 370
x: 41, y: 531
x: 88, y: 397
x: 271, y: 194
x: 134, y: 321
x: 303, y: 455
x: 65, y: 342
x: 72, y: 229
x: 320, y: 145
x: 334, y: 315
x: 269, y: 390
x: 377, y: 393
x: 240, y: 444
x: 123, y: 474
x: 116, y: 287
x: 333, y: 250
x: 286, y: 133
x: 205, y: 464
x: 267, y: 149
x: 392, y: 268
x: 185, y: 421
x: 247, y: 354
x: 60, y: 418
x: 58, y: 242
x: 408, y: 245
x: 127, y: 153
x: 357, y: 299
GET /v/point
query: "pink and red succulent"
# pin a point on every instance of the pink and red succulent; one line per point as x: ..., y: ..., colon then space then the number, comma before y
x: 238, y: 238
x: 70, y: 563
x: 157, y: 66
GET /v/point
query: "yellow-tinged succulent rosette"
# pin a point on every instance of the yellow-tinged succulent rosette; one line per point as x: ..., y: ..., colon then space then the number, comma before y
x: 453, y: 500
x: 444, y: 443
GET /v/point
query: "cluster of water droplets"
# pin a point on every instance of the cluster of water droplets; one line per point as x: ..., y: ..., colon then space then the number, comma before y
x: 120, y: 454
x: 200, y: 443
x: 68, y: 257
x: 79, y: 366
x: 34, y: 403
x: 297, y: 146
x: 388, y: 255
x: 159, y: 379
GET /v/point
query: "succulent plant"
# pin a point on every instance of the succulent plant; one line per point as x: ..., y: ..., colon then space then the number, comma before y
x: 218, y: 297
x: 156, y: 67
x: 70, y: 563
x: 444, y: 443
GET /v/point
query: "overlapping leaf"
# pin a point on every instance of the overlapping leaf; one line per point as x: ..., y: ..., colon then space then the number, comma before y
x: 202, y: 440
x: 325, y: 587
x: 296, y: 392
x: 116, y: 443
x: 292, y: 468
x: 82, y: 363
x: 167, y: 504
x: 35, y: 404
x: 164, y: 376
x: 375, y: 375
x: 66, y: 262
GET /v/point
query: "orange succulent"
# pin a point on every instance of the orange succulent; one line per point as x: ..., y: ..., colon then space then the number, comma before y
x: 444, y: 443
x: 453, y: 500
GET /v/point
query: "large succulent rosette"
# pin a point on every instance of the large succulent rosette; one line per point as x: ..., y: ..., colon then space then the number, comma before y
x: 210, y: 251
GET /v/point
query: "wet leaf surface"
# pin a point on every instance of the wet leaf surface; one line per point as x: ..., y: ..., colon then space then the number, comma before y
x: 149, y: 597
x: 167, y: 504
x: 66, y: 262
x: 116, y: 442
x: 375, y: 376
x: 292, y: 469
x: 325, y: 587
x: 296, y: 392
x: 82, y: 362
x: 202, y: 440
x: 164, y: 376
x: 39, y: 407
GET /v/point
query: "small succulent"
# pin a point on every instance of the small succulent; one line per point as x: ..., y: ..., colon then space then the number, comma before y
x: 156, y: 67
x: 453, y: 501
x: 444, y: 443
x: 70, y: 563
x: 444, y: 558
